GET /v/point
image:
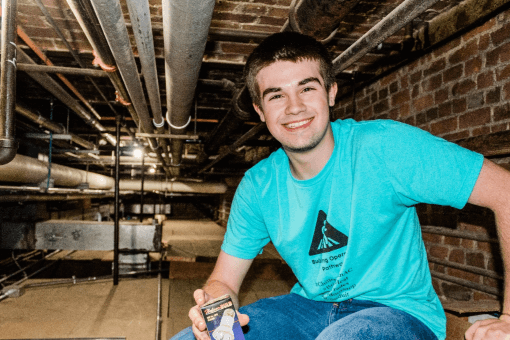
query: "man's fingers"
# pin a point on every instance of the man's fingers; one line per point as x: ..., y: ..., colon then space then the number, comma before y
x: 243, y: 319
x: 196, y: 318
x: 200, y: 297
x: 200, y: 335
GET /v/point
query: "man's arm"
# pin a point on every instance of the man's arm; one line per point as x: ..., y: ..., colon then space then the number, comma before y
x: 226, y: 278
x: 492, y: 190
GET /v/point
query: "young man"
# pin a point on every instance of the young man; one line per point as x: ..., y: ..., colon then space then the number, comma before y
x: 337, y: 201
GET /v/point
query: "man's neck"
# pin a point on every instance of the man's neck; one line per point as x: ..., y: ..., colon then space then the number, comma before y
x: 306, y: 165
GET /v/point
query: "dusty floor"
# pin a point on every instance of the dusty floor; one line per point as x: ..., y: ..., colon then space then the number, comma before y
x: 129, y: 310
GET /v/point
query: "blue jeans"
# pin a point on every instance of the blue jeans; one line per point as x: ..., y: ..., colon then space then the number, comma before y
x: 294, y: 317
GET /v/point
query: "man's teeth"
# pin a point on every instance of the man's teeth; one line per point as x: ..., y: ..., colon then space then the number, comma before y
x: 298, y: 124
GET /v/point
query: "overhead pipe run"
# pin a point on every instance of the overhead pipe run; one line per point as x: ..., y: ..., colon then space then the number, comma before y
x: 185, y: 29
x: 398, y: 18
x: 8, y: 144
x: 54, y: 88
x: 24, y: 169
x: 53, y: 127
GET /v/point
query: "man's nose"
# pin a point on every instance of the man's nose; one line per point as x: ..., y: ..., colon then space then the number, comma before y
x: 295, y: 105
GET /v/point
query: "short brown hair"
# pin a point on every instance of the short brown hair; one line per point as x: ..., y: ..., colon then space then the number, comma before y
x: 286, y: 46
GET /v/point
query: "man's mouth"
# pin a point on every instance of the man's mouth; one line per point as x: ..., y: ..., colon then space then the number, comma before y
x: 295, y: 125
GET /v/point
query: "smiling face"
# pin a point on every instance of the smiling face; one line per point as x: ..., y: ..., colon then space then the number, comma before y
x: 295, y: 105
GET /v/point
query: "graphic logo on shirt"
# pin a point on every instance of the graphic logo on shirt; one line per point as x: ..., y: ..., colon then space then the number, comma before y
x: 326, y: 238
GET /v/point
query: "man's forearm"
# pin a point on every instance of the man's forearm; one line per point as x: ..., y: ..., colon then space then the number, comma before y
x: 217, y: 288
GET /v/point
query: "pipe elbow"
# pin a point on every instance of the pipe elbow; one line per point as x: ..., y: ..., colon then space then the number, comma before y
x: 8, y: 150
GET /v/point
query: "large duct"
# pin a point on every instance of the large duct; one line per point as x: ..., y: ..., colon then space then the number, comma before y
x: 185, y: 28
x: 23, y: 169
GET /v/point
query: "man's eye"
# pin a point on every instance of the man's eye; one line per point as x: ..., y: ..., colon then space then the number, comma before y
x: 276, y: 96
x: 306, y: 89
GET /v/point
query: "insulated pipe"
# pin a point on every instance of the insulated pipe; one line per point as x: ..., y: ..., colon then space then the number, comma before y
x: 114, y: 28
x: 185, y: 29
x: 139, y: 14
x: 318, y: 18
x: 53, y: 127
x: 398, y: 18
x: 54, y: 88
x: 23, y: 169
x: 8, y: 145
x: 195, y: 187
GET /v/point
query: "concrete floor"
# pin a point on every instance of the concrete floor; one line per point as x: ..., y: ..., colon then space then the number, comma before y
x: 129, y: 310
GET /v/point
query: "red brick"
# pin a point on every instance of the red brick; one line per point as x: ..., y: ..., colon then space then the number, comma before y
x: 423, y: 103
x: 453, y: 73
x: 416, y: 77
x: 485, y: 79
x: 467, y: 244
x: 404, y: 82
x: 440, y: 96
x: 240, y: 18
x: 445, y: 110
x: 405, y: 110
x: 502, y: 53
x: 416, y: 91
x: 237, y: 48
x: 475, y: 118
x: 447, y: 48
x: 473, y: 66
x: 436, y: 66
x: 438, y: 252
x: 456, y: 255
x: 506, y: 91
x: 272, y: 21
x: 501, y: 35
x: 464, y: 275
x: 493, y: 96
x: 434, y: 82
x: 503, y: 73
x: 459, y: 105
x: 400, y: 98
x: 432, y: 238
x: 484, y: 246
x: 478, y: 30
x: 444, y: 126
x: 475, y: 260
x: 502, y: 112
x: 463, y: 87
x: 381, y: 107
x: 388, y: 79
x: 410, y: 120
x: 464, y: 53
x: 456, y: 136
x: 484, y: 42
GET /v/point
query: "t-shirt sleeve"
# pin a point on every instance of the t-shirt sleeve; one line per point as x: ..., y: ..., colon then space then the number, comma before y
x: 424, y: 168
x: 246, y: 233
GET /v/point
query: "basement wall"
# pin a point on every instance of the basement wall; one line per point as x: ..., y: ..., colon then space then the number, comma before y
x: 457, y: 91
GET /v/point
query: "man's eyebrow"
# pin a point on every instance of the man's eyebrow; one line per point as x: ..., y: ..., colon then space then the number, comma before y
x: 309, y: 80
x: 270, y: 90
x: 302, y: 82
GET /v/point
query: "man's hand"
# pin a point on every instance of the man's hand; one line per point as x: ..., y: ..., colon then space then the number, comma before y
x: 490, y: 329
x: 198, y: 323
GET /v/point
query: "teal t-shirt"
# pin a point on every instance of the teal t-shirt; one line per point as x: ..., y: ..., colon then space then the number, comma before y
x: 352, y: 230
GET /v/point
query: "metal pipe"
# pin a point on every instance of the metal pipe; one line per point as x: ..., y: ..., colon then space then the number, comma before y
x: 185, y: 29
x: 54, y: 88
x: 174, y: 186
x: 84, y: 14
x: 253, y: 131
x: 46, y: 198
x: 28, y: 267
x: 112, y: 22
x: 469, y: 269
x: 158, y: 319
x: 50, y: 20
x: 117, y: 209
x: 458, y: 233
x: 398, y: 18
x: 141, y: 192
x: 466, y: 283
x: 139, y: 14
x: 62, y: 69
x: 57, y: 128
x: 8, y: 144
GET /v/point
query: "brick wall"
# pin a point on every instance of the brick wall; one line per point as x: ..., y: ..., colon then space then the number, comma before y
x: 458, y: 90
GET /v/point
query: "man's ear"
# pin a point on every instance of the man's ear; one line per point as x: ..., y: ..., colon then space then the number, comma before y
x: 259, y: 111
x: 332, y: 94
